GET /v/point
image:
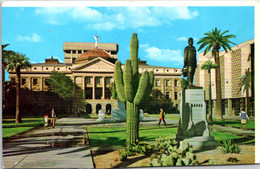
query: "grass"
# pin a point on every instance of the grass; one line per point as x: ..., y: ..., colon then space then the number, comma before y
x: 167, y: 116
x: 10, y: 128
x: 235, y: 123
x: 115, y: 136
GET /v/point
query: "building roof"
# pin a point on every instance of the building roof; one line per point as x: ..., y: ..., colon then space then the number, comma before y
x: 92, y: 54
x: 87, y: 46
x: 46, y: 64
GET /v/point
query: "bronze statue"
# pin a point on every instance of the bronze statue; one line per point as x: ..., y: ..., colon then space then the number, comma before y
x: 190, y: 61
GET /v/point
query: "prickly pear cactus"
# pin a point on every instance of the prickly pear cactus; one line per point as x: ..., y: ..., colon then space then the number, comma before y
x: 132, y: 90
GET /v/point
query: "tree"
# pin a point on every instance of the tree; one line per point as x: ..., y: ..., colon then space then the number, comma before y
x: 208, y: 65
x: 132, y: 90
x: 67, y: 90
x: 16, y: 61
x: 214, y: 40
x: 5, y: 55
x: 184, y: 83
x: 246, y: 85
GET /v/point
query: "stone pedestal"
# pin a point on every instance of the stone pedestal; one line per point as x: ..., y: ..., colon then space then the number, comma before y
x: 101, y: 116
x: 193, y: 125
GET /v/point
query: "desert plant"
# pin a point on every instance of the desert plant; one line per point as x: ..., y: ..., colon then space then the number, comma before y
x: 175, y: 156
x: 228, y: 146
x: 131, y: 90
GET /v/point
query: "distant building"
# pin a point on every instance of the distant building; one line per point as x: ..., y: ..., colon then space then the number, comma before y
x: 92, y: 68
x: 233, y: 66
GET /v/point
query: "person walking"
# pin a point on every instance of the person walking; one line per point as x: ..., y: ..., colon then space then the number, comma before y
x: 244, y: 117
x: 53, y: 117
x: 162, y: 115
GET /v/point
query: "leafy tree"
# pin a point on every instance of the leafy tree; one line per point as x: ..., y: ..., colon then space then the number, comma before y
x: 5, y: 55
x: 246, y: 85
x: 208, y: 65
x: 214, y: 40
x: 184, y: 83
x: 112, y: 89
x: 16, y: 61
x: 65, y: 88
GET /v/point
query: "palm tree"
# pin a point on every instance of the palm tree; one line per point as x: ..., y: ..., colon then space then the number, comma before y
x: 214, y: 40
x: 208, y: 65
x: 5, y: 54
x: 17, y: 62
x: 246, y: 85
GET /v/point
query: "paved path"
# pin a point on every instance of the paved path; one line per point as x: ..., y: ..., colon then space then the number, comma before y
x: 65, y: 146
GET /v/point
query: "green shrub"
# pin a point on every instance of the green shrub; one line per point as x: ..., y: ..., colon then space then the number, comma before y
x: 171, y: 154
x: 229, y: 147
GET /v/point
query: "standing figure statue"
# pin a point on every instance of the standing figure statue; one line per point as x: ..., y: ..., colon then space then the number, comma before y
x: 190, y: 61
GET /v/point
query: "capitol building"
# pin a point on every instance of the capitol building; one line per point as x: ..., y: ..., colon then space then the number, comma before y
x: 91, y: 67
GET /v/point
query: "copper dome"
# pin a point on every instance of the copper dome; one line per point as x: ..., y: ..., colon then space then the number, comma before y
x: 92, y: 54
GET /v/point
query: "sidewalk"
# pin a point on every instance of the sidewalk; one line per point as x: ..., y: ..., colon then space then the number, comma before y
x: 65, y: 146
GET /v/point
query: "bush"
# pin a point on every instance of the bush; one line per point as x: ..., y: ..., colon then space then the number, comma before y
x: 228, y: 147
x: 171, y: 154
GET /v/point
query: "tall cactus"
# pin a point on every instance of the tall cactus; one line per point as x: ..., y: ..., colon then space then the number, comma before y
x: 132, y: 90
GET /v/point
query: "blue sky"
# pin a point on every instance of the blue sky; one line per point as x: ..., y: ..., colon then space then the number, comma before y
x: 39, y: 33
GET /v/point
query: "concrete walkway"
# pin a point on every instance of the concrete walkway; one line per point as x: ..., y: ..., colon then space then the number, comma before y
x: 65, y: 146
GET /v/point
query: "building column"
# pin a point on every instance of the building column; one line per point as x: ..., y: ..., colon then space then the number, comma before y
x: 71, y: 53
x: 173, y: 89
x: 41, y: 85
x: 230, y: 112
x: 104, y: 87
x: 94, y: 88
x: 163, y: 86
x: 30, y: 83
x: 84, y: 86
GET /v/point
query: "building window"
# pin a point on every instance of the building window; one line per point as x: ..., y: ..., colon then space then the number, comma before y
x: 80, y: 51
x: 167, y: 82
x: 23, y: 81
x: 58, y: 68
x: 98, y: 80
x: 108, y: 80
x: 167, y: 95
x: 176, y: 82
x: 88, y: 80
x: 74, y: 51
x: 156, y: 94
x: 47, y: 68
x: 13, y: 80
x: 35, y: 68
x: 46, y: 82
x: 176, y: 95
x: 157, y: 83
x: 35, y: 81
x: 167, y: 70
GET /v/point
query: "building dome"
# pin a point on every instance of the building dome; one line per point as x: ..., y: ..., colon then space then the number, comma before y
x: 92, y: 54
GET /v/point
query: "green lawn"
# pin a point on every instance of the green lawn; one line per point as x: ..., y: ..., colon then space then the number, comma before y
x: 115, y: 136
x: 167, y: 116
x: 10, y: 128
x: 235, y: 123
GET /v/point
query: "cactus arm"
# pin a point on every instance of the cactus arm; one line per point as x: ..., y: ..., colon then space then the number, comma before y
x: 143, y: 84
x: 119, y: 82
x: 134, y: 60
x: 128, y: 81
x: 151, y: 76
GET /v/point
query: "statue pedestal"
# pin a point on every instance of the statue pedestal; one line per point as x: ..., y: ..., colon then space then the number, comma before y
x: 193, y: 125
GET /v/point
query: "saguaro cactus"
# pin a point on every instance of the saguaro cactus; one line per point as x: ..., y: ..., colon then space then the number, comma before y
x: 132, y: 90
